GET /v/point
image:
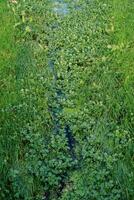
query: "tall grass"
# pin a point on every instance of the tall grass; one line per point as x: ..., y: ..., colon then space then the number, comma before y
x: 123, y: 12
x: 8, y: 92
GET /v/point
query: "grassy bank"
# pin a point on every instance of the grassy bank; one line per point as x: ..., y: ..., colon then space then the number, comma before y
x: 91, y: 48
x: 124, y: 57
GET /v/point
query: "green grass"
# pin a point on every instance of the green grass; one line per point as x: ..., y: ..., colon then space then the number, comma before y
x: 7, y: 54
x: 7, y: 88
x: 124, y: 38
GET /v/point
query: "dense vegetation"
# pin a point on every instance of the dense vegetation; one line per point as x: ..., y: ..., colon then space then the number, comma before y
x: 67, y: 100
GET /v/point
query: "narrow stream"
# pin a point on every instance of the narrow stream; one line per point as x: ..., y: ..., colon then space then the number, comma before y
x: 60, y: 8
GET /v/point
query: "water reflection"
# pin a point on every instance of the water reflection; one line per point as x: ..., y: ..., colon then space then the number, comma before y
x: 60, y: 7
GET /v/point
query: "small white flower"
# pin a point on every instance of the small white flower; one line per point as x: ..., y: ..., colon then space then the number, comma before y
x: 13, y: 1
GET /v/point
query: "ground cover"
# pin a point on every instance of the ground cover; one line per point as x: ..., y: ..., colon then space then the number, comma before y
x: 67, y: 100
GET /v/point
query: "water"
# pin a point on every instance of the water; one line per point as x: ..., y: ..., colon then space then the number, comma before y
x: 52, y: 69
x: 61, y: 8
